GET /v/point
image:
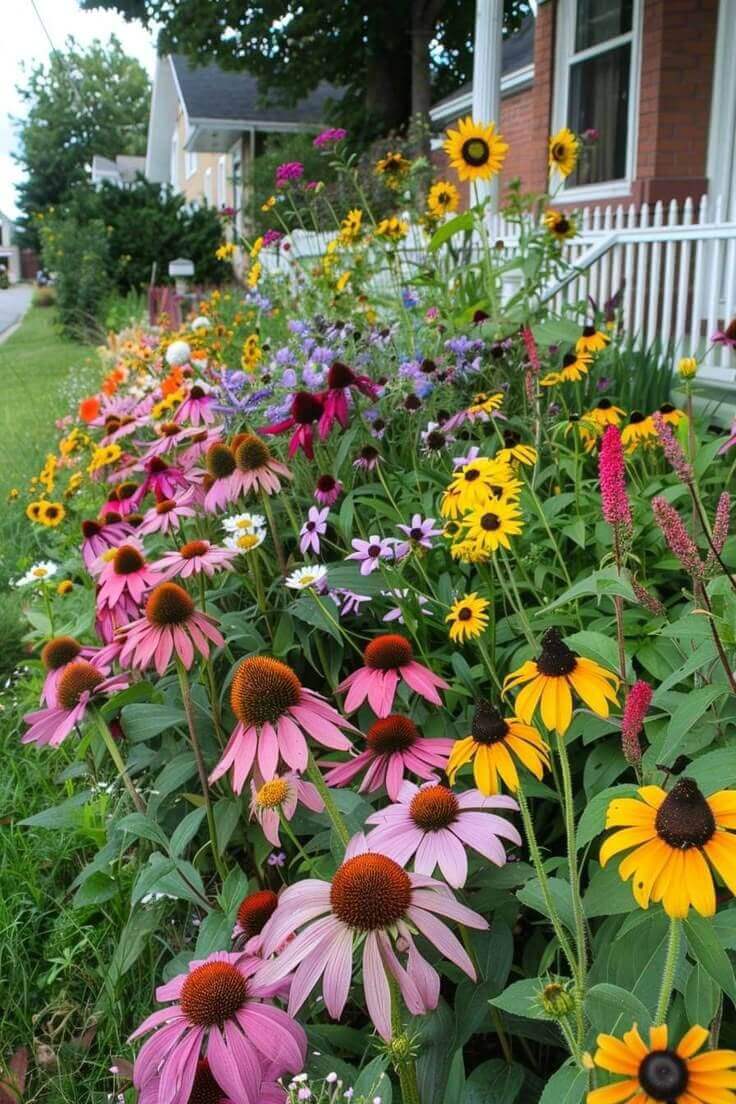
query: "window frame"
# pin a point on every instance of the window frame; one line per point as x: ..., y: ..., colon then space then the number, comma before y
x: 174, y: 165
x: 190, y: 163
x: 565, y: 57
x: 207, y: 186
x: 221, y: 181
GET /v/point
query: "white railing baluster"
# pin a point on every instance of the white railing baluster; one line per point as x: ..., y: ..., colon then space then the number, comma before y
x: 683, y: 282
x: 700, y: 255
x: 628, y: 302
x: 713, y: 278
x: 653, y: 288
x: 727, y: 293
x: 617, y: 253
x: 637, y: 330
x: 668, y: 288
x: 604, y: 283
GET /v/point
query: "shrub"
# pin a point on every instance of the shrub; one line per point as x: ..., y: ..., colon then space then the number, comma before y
x: 44, y: 297
x: 77, y: 252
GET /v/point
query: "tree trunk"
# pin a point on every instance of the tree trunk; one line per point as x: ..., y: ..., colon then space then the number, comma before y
x: 424, y: 15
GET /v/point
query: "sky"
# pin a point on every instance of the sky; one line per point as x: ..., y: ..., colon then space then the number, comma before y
x: 23, y: 40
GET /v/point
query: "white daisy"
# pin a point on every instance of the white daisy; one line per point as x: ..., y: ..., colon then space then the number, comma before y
x: 40, y: 571
x: 245, y: 541
x: 305, y: 577
x: 244, y: 523
x: 201, y: 323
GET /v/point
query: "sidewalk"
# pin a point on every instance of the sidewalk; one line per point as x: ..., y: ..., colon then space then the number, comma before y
x: 14, y: 302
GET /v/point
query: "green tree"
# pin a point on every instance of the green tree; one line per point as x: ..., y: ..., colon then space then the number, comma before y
x: 85, y: 101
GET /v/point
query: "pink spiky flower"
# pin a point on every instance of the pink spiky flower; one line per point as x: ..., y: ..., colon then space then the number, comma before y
x: 275, y: 715
x: 679, y: 540
x: 194, y: 558
x: 171, y: 626
x: 394, y: 746
x: 389, y: 659
x: 256, y: 469
x: 279, y: 797
x: 373, y: 901
x: 79, y: 683
x: 435, y: 826
x: 220, y: 1007
x: 637, y: 703
x: 125, y: 574
x: 612, y: 475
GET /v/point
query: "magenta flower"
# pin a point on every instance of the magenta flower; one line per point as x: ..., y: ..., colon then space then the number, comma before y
x: 197, y: 408
x: 108, y: 532
x: 726, y: 337
x: 721, y: 526
x: 671, y: 447
x: 435, y: 826
x: 314, y: 527
x: 370, y: 552
x: 193, y: 558
x: 221, y: 1004
x: 306, y: 409
x: 350, y: 602
x: 272, y: 237
x: 328, y: 490
x: 275, y: 714
x: 730, y: 440
x: 394, y: 745
x: 57, y: 654
x: 637, y: 703
x: 373, y: 901
x: 79, y: 683
x: 254, y: 912
x: 329, y: 137
x: 160, y: 478
x: 171, y: 436
x: 171, y: 625
x: 125, y: 574
x: 166, y: 516
x: 388, y: 659
x: 367, y: 459
x: 612, y: 476
x: 420, y: 533
x: 340, y: 379
x: 124, y: 499
x: 679, y: 540
x: 278, y: 798
x: 289, y: 170
x: 109, y: 619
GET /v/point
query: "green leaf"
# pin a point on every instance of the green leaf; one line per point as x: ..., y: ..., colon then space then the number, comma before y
x: 691, y: 708
x: 97, y: 888
x: 234, y: 889
x: 186, y: 830
x: 568, y: 1086
x: 613, y: 1010
x: 605, y: 583
x: 373, y: 1080
x: 141, y: 925
x: 607, y: 893
x: 66, y: 815
x: 494, y: 1082
x: 143, y: 827
x: 215, y: 934
x: 531, y: 895
x: 143, y: 722
x: 714, y: 771
x: 346, y: 576
x: 701, y: 996
x: 592, y: 821
x: 459, y: 225
x: 555, y: 331
x: 522, y: 999
x: 319, y: 612
x: 705, y: 949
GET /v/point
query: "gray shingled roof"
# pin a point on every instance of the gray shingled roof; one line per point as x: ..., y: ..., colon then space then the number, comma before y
x: 210, y: 92
x: 517, y: 52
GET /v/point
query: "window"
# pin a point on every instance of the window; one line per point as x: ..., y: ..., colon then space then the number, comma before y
x: 208, y: 187
x: 190, y: 163
x: 597, y: 83
x: 221, y: 183
x: 175, y: 160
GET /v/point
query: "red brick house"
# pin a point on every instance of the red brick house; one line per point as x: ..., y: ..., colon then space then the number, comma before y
x: 655, y: 78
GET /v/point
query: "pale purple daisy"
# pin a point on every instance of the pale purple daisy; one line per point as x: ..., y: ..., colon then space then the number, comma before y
x: 435, y: 826
x: 350, y: 602
x: 193, y: 558
x: 420, y: 532
x: 314, y: 527
x: 369, y: 553
x: 367, y: 459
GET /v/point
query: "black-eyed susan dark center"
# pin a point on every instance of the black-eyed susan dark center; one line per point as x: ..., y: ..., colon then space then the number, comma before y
x: 475, y: 152
x: 568, y: 360
x: 169, y: 604
x: 59, y: 651
x: 262, y: 690
x: 252, y: 454
x: 73, y: 682
x: 433, y: 808
x: 435, y: 440
x: 559, y: 151
x: 663, y: 1075
x: 219, y: 461
x: 636, y: 417
x: 555, y: 660
x: 488, y: 726
x: 685, y: 819
x: 370, y: 892
x: 471, y: 474
x: 213, y: 993
x: 490, y: 522
x: 255, y: 910
x: 387, y: 652
x: 127, y: 560
x: 392, y: 733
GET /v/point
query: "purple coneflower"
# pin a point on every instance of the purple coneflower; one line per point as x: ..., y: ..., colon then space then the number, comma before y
x: 256, y: 469
x: 166, y: 516
x: 125, y: 574
x: 370, y: 552
x: 161, y: 478
x: 171, y: 625
x: 109, y: 531
x: 726, y: 337
x: 306, y: 409
x: 350, y: 602
x: 314, y: 527
x: 78, y: 684
x: 340, y: 379
x: 394, y: 745
x: 435, y: 826
x: 389, y: 659
x: 193, y: 558
x: 367, y: 459
x: 57, y: 654
x: 396, y: 613
x: 254, y: 911
x: 328, y: 490
x: 278, y: 798
x: 197, y: 407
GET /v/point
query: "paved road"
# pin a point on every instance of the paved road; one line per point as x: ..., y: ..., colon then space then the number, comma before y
x: 14, y: 302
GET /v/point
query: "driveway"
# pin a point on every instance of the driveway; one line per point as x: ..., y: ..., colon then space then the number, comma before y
x: 14, y: 302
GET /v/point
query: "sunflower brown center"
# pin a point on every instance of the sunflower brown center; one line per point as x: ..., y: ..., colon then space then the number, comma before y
x: 197, y: 392
x: 193, y: 548
x: 77, y: 678
x: 262, y: 690
x: 555, y: 659
x: 252, y: 454
x: 433, y: 808
x: 488, y: 726
x: 165, y: 506
x: 559, y: 151
x: 562, y: 225
x: 636, y: 417
x: 205, y: 1089
x: 127, y: 560
x: 387, y: 652
x: 435, y: 439
x: 255, y: 910
x: 370, y: 892
x: 219, y: 461
x: 392, y: 733
x: 490, y: 522
x: 475, y: 152
x: 471, y: 474
x: 169, y: 604
x: 59, y: 651
x: 685, y: 819
x: 272, y: 794
x: 663, y: 1075
x: 213, y: 993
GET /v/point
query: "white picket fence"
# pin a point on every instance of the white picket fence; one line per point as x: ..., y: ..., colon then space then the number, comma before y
x: 671, y: 267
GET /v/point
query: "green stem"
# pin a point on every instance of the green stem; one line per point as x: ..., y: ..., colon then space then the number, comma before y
x: 495, y: 1012
x: 404, y: 1064
x: 668, y: 976
x: 300, y: 850
x: 489, y: 663
x: 49, y: 610
x: 323, y: 789
x: 210, y: 673
x: 274, y: 533
x: 117, y: 759
x: 572, y: 859
x: 201, y: 769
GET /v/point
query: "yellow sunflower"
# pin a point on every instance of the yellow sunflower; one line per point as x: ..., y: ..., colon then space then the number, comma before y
x: 675, y: 836
x: 591, y: 340
x: 524, y: 454
x: 639, y: 431
x: 604, y: 413
x: 33, y: 509
x: 443, y: 197
x: 469, y: 552
x: 490, y: 526
x: 351, y: 225
x: 563, y: 151
x: 476, y: 150
x: 560, y: 225
x: 493, y: 745
x: 551, y: 679
x: 393, y: 168
x: 468, y: 617
x: 677, y: 1075
x: 485, y: 404
x: 586, y: 429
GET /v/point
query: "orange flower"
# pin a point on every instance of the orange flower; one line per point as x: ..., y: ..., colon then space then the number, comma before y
x: 172, y: 382
x: 89, y: 408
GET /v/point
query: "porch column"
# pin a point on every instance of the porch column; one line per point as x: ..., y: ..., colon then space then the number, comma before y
x: 487, y: 75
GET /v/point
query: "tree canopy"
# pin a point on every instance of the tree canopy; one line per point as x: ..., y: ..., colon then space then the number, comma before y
x: 84, y: 101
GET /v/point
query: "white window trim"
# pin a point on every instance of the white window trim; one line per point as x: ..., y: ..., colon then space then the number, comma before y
x: 207, y: 186
x: 564, y: 53
x: 221, y: 181
x: 174, y: 168
x: 190, y: 163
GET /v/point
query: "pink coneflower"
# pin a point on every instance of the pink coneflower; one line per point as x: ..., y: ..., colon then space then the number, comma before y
x: 726, y: 337
x: 672, y: 450
x: 166, y: 516
x: 369, y: 553
x: 367, y: 459
x: 612, y: 475
x: 109, y: 531
x: 125, y: 499
x: 171, y: 625
x: 125, y: 574
x: 161, y: 478
x: 220, y: 1003
x: 205, y: 1090
x: 108, y: 619
x: 637, y: 703
x: 389, y: 658
x: 370, y: 900
x: 170, y: 436
x: 420, y: 533
x: 78, y: 684
x: 278, y: 798
x: 313, y: 528
x: 435, y: 826
x: 340, y: 379
x: 202, y: 440
x: 197, y: 407
x: 220, y: 466
x: 254, y: 912
x: 394, y: 745
x: 275, y: 715
x: 193, y: 558
x: 117, y: 427
x: 57, y: 654
x: 306, y: 409
x: 256, y: 469
x: 328, y: 490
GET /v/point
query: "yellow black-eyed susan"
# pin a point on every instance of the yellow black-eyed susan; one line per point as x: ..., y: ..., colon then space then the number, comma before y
x: 639, y: 430
x: 392, y: 169
x: 491, y: 525
x: 574, y: 366
x: 591, y: 340
x: 560, y: 225
x: 551, y: 680
x: 52, y: 514
x: 671, y: 414
x: 468, y: 617
x: 662, y: 1071
x: 515, y: 449
x: 472, y: 484
x: 563, y: 151
x: 676, y: 836
x: 605, y: 413
x: 494, y: 743
x: 469, y: 552
x: 443, y: 198
x: 476, y: 150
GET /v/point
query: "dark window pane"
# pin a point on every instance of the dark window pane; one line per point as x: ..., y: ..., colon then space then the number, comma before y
x: 599, y: 20
x: 599, y: 100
